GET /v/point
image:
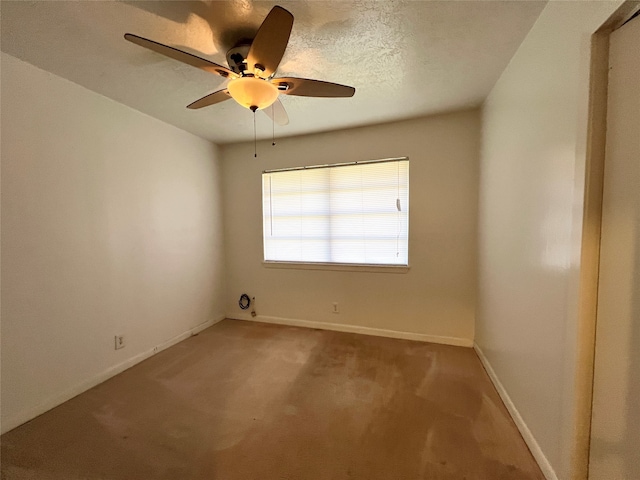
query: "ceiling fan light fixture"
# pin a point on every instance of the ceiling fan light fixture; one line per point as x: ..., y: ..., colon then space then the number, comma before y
x: 252, y: 92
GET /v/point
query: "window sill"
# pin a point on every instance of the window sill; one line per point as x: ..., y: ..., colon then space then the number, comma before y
x: 339, y: 267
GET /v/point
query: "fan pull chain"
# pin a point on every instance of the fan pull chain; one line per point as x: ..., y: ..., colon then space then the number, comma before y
x: 255, y: 140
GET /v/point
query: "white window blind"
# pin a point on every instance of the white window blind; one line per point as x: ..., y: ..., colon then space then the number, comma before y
x: 353, y: 213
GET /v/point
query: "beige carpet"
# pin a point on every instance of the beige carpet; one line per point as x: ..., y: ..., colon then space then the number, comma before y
x: 248, y: 401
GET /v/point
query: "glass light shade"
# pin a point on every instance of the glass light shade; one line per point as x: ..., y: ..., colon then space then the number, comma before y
x: 252, y: 92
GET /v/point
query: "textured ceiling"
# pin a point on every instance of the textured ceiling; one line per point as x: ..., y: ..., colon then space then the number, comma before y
x: 405, y: 58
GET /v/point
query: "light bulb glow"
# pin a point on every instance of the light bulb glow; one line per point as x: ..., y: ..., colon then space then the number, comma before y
x: 252, y: 92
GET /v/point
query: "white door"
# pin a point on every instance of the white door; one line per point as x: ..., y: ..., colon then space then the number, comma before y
x: 615, y: 430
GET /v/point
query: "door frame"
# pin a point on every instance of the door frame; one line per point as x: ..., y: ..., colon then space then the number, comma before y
x: 591, y: 233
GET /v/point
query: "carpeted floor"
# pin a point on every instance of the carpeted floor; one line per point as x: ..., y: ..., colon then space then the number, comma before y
x: 249, y: 401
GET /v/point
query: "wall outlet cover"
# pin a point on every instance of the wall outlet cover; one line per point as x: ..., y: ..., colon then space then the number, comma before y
x: 119, y: 340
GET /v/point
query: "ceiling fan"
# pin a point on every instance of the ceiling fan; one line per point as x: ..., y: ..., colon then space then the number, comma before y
x: 252, y: 68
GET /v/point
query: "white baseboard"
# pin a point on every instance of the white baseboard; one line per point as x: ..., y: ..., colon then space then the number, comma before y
x: 530, y: 440
x: 13, y: 421
x: 378, y: 332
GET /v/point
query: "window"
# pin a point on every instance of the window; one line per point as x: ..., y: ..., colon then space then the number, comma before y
x: 355, y: 213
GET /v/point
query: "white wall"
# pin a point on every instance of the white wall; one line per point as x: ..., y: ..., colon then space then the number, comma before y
x: 435, y: 299
x: 532, y: 180
x: 111, y: 224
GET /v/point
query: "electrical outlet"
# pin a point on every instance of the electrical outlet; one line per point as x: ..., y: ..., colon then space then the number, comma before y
x: 335, y: 308
x: 119, y: 342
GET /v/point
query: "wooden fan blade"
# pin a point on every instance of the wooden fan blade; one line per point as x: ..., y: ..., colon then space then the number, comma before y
x: 277, y: 113
x: 306, y: 87
x: 181, y: 56
x: 271, y: 41
x: 211, y: 99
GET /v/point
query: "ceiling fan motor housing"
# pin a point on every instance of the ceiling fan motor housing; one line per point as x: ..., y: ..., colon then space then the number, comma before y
x: 236, y: 57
